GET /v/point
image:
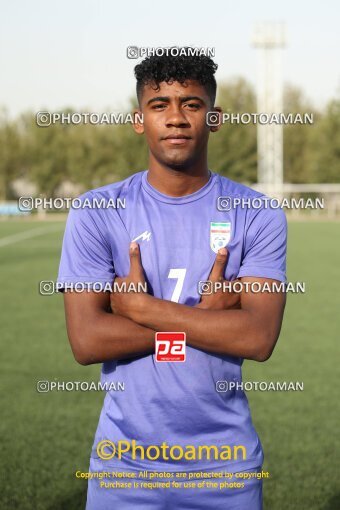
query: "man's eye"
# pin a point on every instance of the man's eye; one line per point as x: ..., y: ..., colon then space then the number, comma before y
x: 158, y: 106
x: 193, y: 106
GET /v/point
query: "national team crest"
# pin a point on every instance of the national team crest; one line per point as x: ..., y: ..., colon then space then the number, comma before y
x: 219, y: 235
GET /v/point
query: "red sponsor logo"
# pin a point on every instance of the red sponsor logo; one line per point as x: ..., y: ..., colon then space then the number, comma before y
x: 170, y: 346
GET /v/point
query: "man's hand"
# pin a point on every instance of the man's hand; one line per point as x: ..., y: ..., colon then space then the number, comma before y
x: 249, y: 332
x: 220, y: 300
x: 127, y: 304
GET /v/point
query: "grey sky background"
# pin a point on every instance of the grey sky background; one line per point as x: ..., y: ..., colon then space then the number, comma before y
x: 73, y: 53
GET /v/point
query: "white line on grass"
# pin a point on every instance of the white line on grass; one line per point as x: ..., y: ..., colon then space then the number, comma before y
x: 28, y: 234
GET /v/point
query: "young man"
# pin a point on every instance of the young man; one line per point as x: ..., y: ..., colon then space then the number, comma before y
x: 172, y: 235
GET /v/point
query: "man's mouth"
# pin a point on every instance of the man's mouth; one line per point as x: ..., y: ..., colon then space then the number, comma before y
x: 177, y: 139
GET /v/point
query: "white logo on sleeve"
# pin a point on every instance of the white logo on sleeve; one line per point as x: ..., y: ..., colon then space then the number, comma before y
x: 145, y: 236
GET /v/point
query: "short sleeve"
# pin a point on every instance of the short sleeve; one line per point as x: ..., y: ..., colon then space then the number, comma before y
x: 265, y: 245
x: 86, y: 255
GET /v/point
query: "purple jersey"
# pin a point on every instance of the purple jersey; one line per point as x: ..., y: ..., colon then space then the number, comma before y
x: 176, y: 403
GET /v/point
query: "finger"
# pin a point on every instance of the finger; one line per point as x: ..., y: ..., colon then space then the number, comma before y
x: 217, y: 271
x: 117, y: 283
x: 136, y: 268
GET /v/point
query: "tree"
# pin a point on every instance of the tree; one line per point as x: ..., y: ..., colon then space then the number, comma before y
x: 11, y: 159
x: 298, y: 139
x: 46, y: 150
x: 232, y: 150
x: 326, y: 145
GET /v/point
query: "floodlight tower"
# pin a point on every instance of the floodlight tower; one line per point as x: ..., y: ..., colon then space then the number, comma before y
x: 269, y: 39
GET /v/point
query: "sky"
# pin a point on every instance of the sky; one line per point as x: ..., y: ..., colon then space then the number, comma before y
x: 72, y: 53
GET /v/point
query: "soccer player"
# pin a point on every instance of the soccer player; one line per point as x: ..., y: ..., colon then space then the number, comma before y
x: 173, y: 234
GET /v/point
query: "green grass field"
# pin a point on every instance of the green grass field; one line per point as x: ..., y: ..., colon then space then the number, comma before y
x: 46, y: 437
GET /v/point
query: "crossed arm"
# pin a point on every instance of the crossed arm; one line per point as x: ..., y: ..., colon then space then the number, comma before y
x: 246, y: 325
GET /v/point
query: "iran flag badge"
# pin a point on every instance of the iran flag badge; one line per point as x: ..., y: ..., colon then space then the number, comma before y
x: 219, y: 235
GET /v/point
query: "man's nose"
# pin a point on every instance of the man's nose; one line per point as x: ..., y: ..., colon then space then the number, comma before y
x: 176, y: 117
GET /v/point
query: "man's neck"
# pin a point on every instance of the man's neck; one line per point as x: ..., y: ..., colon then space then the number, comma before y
x: 177, y: 183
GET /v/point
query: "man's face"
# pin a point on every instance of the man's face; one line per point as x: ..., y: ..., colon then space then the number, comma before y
x: 175, y: 122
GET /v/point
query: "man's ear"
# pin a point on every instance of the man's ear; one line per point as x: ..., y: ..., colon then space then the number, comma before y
x: 138, y: 124
x: 214, y: 118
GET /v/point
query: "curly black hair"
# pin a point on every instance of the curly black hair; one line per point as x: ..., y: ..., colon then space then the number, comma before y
x: 180, y: 67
